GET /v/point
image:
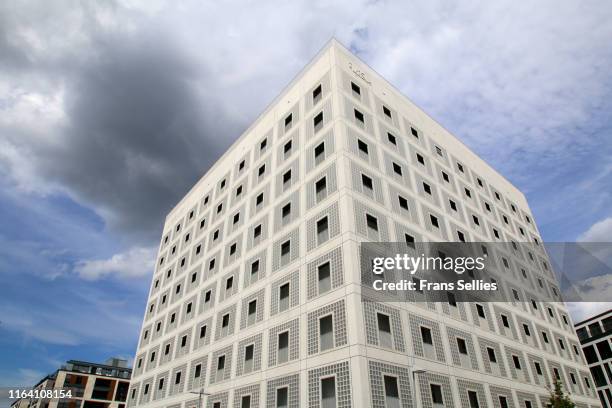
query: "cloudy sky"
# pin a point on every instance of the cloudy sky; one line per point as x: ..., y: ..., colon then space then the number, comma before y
x: 110, y: 111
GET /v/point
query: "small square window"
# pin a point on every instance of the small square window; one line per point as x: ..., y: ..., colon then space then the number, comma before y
x: 367, y: 182
x: 403, y: 203
x: 439, y: 151
x: 355, y: 88
x: 372, y: 222
x: 392, y: 139
x: 397, y: 169
x: 318, y: 120
x: 461, y: 346
x: 445, y: 177
x: 287, y: 147
x: 426, y: 335
x: 359, y: 116
x: 288, y: 121
x: 434, y: 221
x: 386, y: 111
x: 427, y: 188
x: 286, y: 211
x: 460, y: 167
x: 436, y: 394
x: 452, y: 204
x: 262, y: 170
x: 285, y: 248
x: 263, y: 144
x: 241, y: 165
x: 238, y: 191
x: 414, y: 132
x: 316, y: 94
x: 420, y: 159
x: 259, y: 199
x: 257, y: 231
x: 319, y: 151
x: 363, y: 147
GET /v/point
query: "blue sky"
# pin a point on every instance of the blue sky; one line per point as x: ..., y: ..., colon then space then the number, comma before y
x: 110, y: 112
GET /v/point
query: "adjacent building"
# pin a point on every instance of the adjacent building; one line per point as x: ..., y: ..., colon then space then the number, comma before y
x: 256, y: 298
x: 91, y: 385
x: 595, y: 335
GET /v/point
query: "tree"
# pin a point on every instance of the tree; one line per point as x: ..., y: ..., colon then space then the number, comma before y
x: 558, y: 399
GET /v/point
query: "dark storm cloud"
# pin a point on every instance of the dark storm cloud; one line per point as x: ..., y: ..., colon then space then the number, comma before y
x: 139, y: 133
x: 141, y: 127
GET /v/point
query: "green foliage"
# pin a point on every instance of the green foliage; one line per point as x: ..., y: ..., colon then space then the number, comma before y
x: 558, y: 399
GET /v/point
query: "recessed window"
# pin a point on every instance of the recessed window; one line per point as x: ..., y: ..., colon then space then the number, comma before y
x: 245, y: 401
x: 328, y: 392
x: 420, y: 159
x: 363, y: 147
x: 403, y: 203
x: 355, y: 88
x: 211, y: 264
x: 409, y: 239
x: 316, y: 93
x: 359, y: 116
x: 451, y: 299
x: 257, y: 231
x: 460, y: 167
x: 372, y: 222
x: 263, y: 144
x: 254, y: 269
x: 288, y: 121
x: 384, y: 330
x: 367, y: 182
x: 538, y: 368
x: 460, y: 236
x: 526, y: 330
x: 426, y: 335
x: 285, y: 251
x: 319, y: 152
x: 397, y: 169
x: 414, y: 132
x: 287, y: 147
x: 461, y: 346
x: 491, y: 354
x: 386, y: 111
x: 322, y: 230
x: 426, y: 188
x: 480, y: 310
x: 452, y: 205
x: 216, y: 235
x: 282, y: 397
x: 473, y: 399
x: 287, y: 178
x: 391, y: 391
x: 503, y: 402
x: 241, y: 165
x: 468, y: 192
x: 259, y: 199
x: 505, y: 321
x: 283, y: 297
x: 189, y: 307
x: 262, y: 170
x: 283, y: 347
x: 516, y: 362
x: 326, y: 332
x: 238, y: 191
x: 318, y: 120
x: 202, y: 332
x: 236, y: 218
x: 392, y: 139
x: 436, y: 394
x: 434, y: 221
x: 476, y: 220
x: 324, y: 277
x: 321, y: 188
x: 286, y: 211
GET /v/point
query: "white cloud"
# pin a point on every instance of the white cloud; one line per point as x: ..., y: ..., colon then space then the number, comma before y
x: 601, y: 231
x: 583, y: 310
x: 134, y: 263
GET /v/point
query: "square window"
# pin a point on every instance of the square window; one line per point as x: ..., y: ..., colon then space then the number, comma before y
x: 491, y: 355
x: 259, y: 199
x: 316, y: 94
x: 367, y: 182
x: 286, y: 211
x: 445, y: 177
x: 391, y: 139
x: 257, y: 231
x: 372, y: 222
x: 386, y: 112
x: 319, y: 152
x: 426, y: 335
x: 397, y: 169
x: 427, y: 188
x: 403, y: 203
x: 434, y: 221
x: 324, y: 277
x: 287, y: 147
x: 414, y: 132
x: 461, y: 346
x: 262, y: 170
x: 263, y: 144
x: 355, y: 88
x: 288, y: 121
x: 359, y: 116
x: 480, y: 310
x: 322, y: 230
x: 420, y: 159
x: 439, y: 152
x: 241, y: 165
x: 318, y: 120
x: 436, y: 394
x: 287, y: 177
x: 452, y: 204
x: 363, y: 147
x: 285, y: 248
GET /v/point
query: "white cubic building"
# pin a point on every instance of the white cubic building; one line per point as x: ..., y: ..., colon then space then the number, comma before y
x: 256, y: 296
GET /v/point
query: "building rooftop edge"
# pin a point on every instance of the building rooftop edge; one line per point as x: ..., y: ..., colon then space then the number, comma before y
x: 329, y: 44
x: 597, y: 316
